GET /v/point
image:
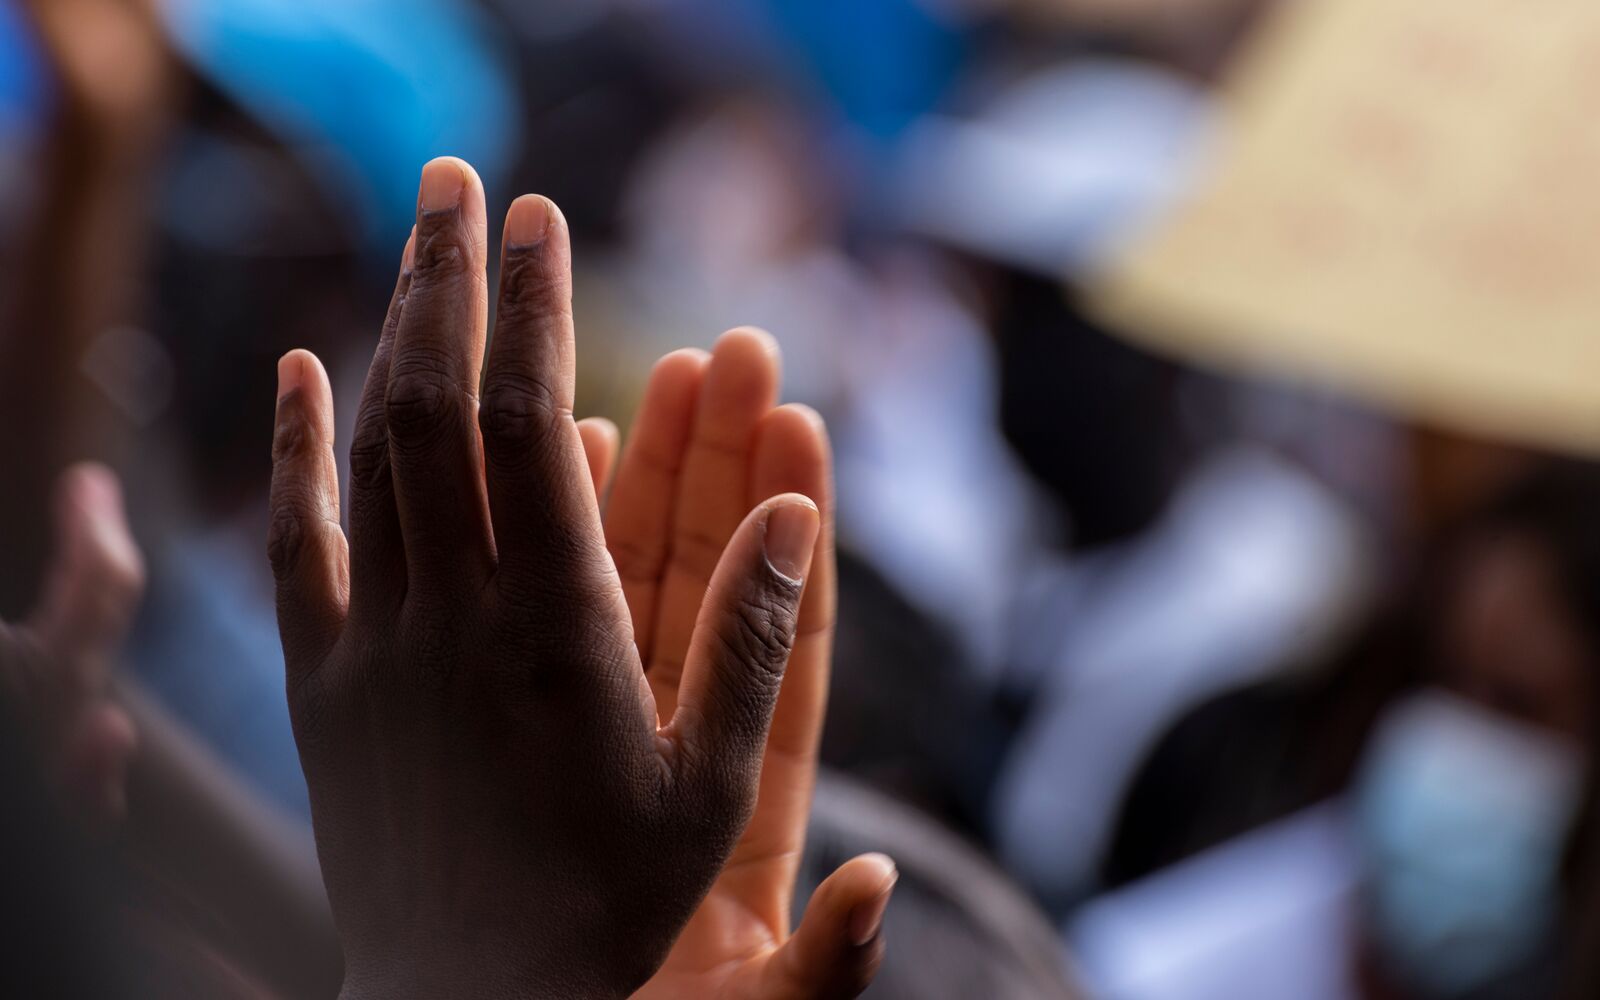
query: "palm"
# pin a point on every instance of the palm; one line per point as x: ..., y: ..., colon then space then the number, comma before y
x: 710, y: 445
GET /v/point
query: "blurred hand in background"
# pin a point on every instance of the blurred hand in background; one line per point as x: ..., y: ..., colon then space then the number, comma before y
x: 57, y: 665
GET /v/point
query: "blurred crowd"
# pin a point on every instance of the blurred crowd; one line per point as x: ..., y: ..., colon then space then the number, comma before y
x: 1169, y: 685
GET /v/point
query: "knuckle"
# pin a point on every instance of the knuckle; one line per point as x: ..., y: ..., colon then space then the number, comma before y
x: 293, y: 436
x: 752, y: 650
x: 763, y: 632
x: 443, y: 256
x: 369, y: 453
x: 286, y: 535
x: 419, y: 403
x: 517, y: 410
x: 533, y: 292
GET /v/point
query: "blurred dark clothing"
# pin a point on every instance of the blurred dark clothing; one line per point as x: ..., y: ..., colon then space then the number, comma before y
x: 1261, y: 752
x: 595, y: 102
x: 906, y: 713
x: 1253, y: 568
x: 207, y: 645
x: 76, y: 922
x: 1094, y: 419
x: 1235, y: 763
x: 956, y: 927
x: 1264, y: 752
x: 55, y: 932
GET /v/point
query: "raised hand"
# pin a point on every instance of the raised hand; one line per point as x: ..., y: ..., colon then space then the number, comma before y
x: 709, y: 443
x: 111, y: 61
x: 55, y: 667
x: 498, y: 811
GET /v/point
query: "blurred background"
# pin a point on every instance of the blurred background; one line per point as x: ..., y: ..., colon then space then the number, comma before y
x: 1231, y: 686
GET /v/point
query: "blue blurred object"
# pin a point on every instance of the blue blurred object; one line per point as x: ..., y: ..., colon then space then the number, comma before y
x: 367, y: 90
x: 207, y: 645
x: 24, y: 87
x: 884, y: 62
x: 1463, y: 815
x: 874, y: 65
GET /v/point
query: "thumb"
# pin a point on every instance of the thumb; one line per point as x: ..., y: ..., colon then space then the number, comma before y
x: 839, y: 945
x: 97, y: 574
x: 741, y: 642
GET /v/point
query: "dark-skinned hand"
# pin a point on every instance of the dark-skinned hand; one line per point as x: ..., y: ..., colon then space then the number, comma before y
x: 498, y: 811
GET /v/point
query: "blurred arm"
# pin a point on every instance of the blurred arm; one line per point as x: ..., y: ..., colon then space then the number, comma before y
x: 252, y: 872
x: 187, y: 826
x: 73, y: 264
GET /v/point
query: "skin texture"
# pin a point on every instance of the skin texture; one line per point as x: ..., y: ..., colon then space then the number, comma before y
x: 499, y: 810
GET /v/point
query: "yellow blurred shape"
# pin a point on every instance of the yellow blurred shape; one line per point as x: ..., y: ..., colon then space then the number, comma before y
x: 1403, y: 202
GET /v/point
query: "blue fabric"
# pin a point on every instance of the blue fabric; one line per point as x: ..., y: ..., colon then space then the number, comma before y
x: 371, y: 89
x: 883, y: 62
x: 24, y: 87
x: 207, y: 645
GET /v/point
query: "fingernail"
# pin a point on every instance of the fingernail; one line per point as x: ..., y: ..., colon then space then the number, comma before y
x: 442, y: 183
x: 866, y: 920
x: 791, y: 538
x: 528, y: 221
x: 291, y: 374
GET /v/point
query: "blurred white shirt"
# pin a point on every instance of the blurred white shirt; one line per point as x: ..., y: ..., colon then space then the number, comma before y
x: 1253, y: 568
x: 1263, y: 917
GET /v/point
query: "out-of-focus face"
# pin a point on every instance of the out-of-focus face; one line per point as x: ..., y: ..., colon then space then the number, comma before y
x: 1469, y: 791
x: 1509, y: 641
